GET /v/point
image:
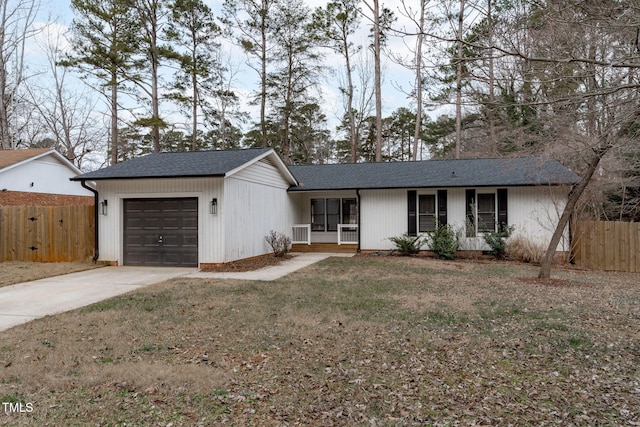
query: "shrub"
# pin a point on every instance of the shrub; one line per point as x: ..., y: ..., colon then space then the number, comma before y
x: 407, y: 245
x: 444, y: 242
x: 279, y: 242
x: 497, y: 241
x: 520, y: 248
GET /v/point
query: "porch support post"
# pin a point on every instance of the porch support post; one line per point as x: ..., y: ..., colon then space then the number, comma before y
x: 359, y: 223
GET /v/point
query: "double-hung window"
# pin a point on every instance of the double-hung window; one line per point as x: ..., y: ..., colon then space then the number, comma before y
x: 326, y: 214
x: 426, y: 212
x: 486, y: 212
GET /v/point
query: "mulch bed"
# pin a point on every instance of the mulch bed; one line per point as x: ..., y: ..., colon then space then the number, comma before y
x: 249, y: 264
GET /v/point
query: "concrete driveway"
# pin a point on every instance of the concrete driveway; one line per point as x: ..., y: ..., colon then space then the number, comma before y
x: 30, y: 300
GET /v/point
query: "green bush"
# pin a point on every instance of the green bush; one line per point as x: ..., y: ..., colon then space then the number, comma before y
x: 444, y: 242
x: 407, y: 245
x: 497, y: 241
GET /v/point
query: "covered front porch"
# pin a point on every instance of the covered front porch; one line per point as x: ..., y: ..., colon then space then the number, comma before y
x: 326, y: 222
x: 346, y: 239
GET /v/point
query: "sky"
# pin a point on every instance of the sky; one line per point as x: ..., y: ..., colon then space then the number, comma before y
x: 396, y: 79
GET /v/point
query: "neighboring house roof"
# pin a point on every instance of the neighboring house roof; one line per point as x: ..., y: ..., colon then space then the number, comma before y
x: 13, y: 158
x: 520, y: 171
x: 188, y: 165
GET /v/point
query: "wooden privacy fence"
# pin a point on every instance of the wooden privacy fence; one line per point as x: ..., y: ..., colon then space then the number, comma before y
x: 47, y: 233
x: 607, y: 245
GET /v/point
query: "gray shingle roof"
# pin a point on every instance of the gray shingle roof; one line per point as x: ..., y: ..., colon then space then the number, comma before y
x: 433, y: 173
x: 173, y: 165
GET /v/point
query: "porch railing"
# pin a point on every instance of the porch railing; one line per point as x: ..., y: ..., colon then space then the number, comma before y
x: 301, y: 234
x: 347, y: 234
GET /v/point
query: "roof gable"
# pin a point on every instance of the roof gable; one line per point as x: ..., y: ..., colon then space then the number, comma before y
x: 189, y: 164
x: 521, y: 171
x: 10, y: 159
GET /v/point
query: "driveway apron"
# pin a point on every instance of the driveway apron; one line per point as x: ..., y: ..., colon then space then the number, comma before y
x: 31, y: 300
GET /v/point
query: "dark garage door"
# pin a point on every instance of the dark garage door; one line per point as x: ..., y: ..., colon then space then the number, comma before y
x: 161, y: 232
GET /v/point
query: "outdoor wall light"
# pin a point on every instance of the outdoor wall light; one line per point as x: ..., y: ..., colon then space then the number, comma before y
x: 103, y: 207
x: 213, y: 207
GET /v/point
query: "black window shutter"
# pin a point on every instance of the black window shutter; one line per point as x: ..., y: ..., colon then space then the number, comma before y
x: 442, y: 207
x: 470, y: 201
x: 412, y: 201
x: 503, y: 220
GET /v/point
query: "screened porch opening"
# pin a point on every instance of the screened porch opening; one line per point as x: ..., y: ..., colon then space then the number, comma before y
x: 332, y: 220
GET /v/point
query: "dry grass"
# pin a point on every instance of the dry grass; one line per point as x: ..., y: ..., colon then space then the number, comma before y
x: 17, y: 271
x: 349, y: 341
x: 521, y: 248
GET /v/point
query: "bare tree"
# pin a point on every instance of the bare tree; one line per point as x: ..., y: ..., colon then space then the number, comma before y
x: 16, y: 27
x: 459, y: 71
x: 66, y: 115
x: 337, y: 23
x: 419, y: 19
x: 580, y: 63
x: 225, y: 109
x: 376, y: 48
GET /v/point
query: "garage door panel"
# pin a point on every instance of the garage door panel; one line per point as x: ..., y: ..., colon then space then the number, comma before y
x: 147, y: 220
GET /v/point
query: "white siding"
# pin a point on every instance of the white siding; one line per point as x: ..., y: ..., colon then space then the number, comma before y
x: 262, y: 172
x: 250, y: 203
x: 251, y: 210
x: 210, y: 227
x: 383, y: 214
x: 533, y: 211
x: 43, y: 175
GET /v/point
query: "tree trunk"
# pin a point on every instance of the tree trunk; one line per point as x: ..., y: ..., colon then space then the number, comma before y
x: 353, y: 137
x: 418, y: 128
x: 377, y: 78
x: 115, y: 143
x: 263, y: 76
x: 194, y: 108
x: 459, y: 80
x: 492, y: 83
x: 572, y: 200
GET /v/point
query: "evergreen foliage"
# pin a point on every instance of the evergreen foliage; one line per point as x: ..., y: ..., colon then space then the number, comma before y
x: 444, y: 242
x: 497, y: 240
x: 406, y: 245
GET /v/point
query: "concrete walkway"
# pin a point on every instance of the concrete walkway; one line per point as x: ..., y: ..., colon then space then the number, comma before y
x: 23, y: 302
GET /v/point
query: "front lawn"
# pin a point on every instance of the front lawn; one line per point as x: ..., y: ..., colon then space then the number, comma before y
x: 349, y: 341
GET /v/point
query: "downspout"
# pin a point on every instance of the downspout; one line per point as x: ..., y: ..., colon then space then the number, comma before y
x: 359, y: 223
x: 96, y: 250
